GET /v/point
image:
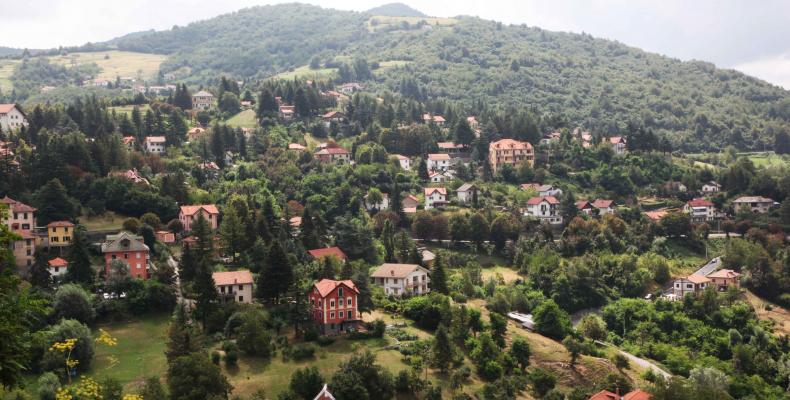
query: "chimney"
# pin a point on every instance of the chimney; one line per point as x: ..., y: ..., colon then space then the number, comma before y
x: 392, y: 272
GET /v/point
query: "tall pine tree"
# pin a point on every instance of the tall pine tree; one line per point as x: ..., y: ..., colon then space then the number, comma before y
x: 79, y: 270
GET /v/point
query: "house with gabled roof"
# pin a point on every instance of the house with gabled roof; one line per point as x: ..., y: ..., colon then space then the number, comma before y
x: 466, y: 192
x: 691, y: 284
x: 202, y: 100
x: 234, y: 285
x: 544, y: 208
x: 435, y: 197
x: 618, y: 144
x: 324, y: 394
x: 401, y: 279
x: 410, y: 203
x: 128, y: 248
x: 441, y: 176
x: 711, y: 187
x: 604, y: 206
x: 755, y: 204
x: 57, y: 267
x: 189, y: 214
x: 511, y: 152
x: 12, y: 117
x: 154, y: 144
x: 333, y: 155
x: 584, y: 207
x: 723, y: 279
x: 333, y: 306
x: 403, y: 161
x: 438, y: 162
x: 59, y: 233
x: 700, y: 210
x: 335, y: 251
x: 333, y: 116
x: 20, y: 218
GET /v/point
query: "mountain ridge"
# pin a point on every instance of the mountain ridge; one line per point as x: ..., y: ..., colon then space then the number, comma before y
x: 396, y: 10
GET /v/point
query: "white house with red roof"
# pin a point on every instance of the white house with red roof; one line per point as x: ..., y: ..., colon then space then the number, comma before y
x: 618, y: 144
x: 333, y: 116
x: 441, y: 176
x: 11, y: 117
x: 544, y: 208
x: 435, y: 119
x: 438, y: 162
x: 691, y: 284
x: 234, y: 285
x: 604, y: 206
x: 57, y: 267
x: 129, y: 142
x: 435, y: 197
x: 334, y: 306
x: 403, y: 161
x: 700, y: 210
x: 402, y: 279
x: 584, y: 207
x: 189, y: 214
x: 154, y: 144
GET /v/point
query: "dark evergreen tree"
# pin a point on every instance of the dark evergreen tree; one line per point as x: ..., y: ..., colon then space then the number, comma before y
x: 439, y: 276
x: 275, y: 280
x: 79, y: 270
x: 39, y: 271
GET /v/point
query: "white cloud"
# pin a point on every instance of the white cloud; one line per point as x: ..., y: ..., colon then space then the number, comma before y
x: 775, y: 70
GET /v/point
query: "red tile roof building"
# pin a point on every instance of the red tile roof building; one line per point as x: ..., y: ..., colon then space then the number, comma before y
x: 129, y: 249
x: 189, y: 214
x: 334, y: 306
x: 20, y: 218
x: 327, y: 252
x: 511, y: 152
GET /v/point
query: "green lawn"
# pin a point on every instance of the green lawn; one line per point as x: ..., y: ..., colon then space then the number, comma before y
x: 107, y: 221
x: 139, y: 353
x: 128, y: 109
x: 116, y: 63
x: 6, y: 70
x: 244, y: 119
x: 768, y: 160
x: 305, y: 72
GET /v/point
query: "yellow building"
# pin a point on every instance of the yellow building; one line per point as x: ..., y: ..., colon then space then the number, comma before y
x: 60, y: 233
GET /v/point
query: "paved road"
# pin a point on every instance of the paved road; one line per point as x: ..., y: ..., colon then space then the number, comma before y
x: 639, y: 361
x: 711, y: 266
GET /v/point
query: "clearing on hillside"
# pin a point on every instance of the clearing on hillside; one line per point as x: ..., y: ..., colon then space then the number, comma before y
x: 115, y: 63
x: 305, y: 72
x: 6, y: 69
x: 244, y: 119
x: 380, y: 22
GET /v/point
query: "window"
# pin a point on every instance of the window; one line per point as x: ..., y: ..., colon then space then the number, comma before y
x: 340, y: 293
x: 331, y: 303
x: 342, y: 315
x: 222, y: 289
x: 139, y: 266
x: 340, y: 302
x: 113, y: 257
x: 350, y: 314
x: 56, y: 269
x: 241, y: 287
x: 332, y: 314
x: 241, y: 298
x: 348, y: 302
x: 138, y: 256
x: 66, y: 238
x: 126, y: 255
x: 54, y: 239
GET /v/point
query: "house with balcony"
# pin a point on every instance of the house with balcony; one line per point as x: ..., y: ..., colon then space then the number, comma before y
x: 545, y: 209
x: 402, y: 279
x: 700, y: 210
x: 438, y: 162
x: 435, y: 197
x: 511, y: 152
x: 333, y: 306
x: 234, y: 285
x: 755, y: 204
x: 154, y: 144
x: 689, y: 285
x: 723, y: 279
x: 130, y: 249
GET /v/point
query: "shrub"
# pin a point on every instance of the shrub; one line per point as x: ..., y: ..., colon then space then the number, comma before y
x: 83, y: 350
x: 73, y: 302
x: 48, y: 385
x: 302, y: 351
x: 325, y: 340
x: 231, y: 357
x: 215, y: 357
x: 310, y: 335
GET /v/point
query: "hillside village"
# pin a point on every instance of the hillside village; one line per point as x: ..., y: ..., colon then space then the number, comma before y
x: 323, y: 238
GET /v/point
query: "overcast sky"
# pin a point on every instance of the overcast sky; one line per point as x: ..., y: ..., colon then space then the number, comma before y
x: 751, y: 36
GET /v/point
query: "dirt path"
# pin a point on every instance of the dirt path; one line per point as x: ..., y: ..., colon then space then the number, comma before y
x: 779, y: 316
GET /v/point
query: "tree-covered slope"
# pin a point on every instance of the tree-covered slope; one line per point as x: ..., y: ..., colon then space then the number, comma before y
x: 600, y: 84
x: 396, y: 10
x: 257, y: 41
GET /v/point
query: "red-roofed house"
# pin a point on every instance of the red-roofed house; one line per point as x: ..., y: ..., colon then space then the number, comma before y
x: 334, y: 306
x: 545, y: 208
x: 20, y: 218
x: 327, y: 252
x: 618, y: 144
x: 603, y: 206
x: 128, y: 248
x: 690, y: 284
x: 59, y: 233
x: 637, y: 395
x: 509, y: 151
x: 410, y: 203
x: 633, y: 395
x: 333, y: 116
x: 131, y: 174
x: 337, y: 155
x: 436, y: 119
x: 435, y: 197
x: 129, y: 142
x: 154, y: 144
x: 166, y: 237
x: 700, y: 210
x: 438, y: 162
x: 605, y: 395
x: 189, y: 214
x: 724, y: 278
x: 324, y: 394
x: 234, y: 285
x: 57, y: 267
x: 584, y: 207
x: 11, y: 117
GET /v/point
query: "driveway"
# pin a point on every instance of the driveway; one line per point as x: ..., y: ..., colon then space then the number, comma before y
x: 646, y: 364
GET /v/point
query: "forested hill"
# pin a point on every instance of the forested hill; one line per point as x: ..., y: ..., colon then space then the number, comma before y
x: 600, y: 84
x: 395, y: 10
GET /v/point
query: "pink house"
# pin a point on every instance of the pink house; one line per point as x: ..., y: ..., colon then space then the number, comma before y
x: 334, y: 306
x: 189, y: 214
